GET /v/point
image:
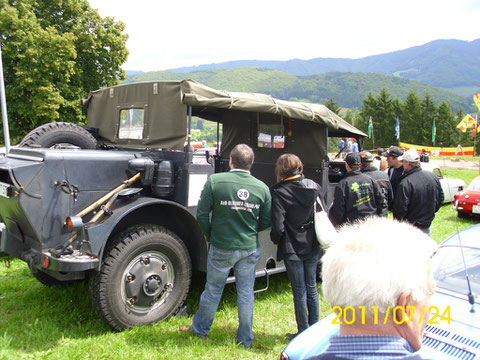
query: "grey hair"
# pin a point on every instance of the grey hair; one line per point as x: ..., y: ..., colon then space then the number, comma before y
x: 242, y: 157
x: 374, y: 261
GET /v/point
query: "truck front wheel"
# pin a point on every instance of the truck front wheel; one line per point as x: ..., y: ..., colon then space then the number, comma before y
x: 145, y: 277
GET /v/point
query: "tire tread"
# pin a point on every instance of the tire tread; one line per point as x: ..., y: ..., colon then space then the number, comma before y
x: 97, y: 283
x: 38, y: 136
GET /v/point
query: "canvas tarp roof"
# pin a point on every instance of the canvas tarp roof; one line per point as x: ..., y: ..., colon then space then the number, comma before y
x: 199, y: 95
x: 166, y: 102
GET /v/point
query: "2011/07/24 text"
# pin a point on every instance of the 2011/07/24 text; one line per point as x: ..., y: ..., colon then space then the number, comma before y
x: 348, y: 315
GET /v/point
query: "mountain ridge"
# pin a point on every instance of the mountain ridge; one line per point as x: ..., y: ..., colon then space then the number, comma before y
x: 347, y: 89
x: 446, y: 63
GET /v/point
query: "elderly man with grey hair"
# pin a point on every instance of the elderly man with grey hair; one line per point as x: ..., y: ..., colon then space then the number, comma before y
x: 419, y: 194
x: 379, y: 272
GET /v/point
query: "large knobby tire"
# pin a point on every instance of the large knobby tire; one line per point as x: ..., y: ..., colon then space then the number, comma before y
x: 59, y: 133
x: 145, y: 277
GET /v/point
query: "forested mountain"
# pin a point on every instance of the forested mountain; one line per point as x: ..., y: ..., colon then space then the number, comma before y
x: 347, y: 89
x: 449, y: 64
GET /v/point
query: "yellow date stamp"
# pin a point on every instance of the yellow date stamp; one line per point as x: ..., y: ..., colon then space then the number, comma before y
x: 350, y: 315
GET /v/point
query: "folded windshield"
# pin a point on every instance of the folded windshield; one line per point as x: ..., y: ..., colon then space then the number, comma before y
x: 450, y: 269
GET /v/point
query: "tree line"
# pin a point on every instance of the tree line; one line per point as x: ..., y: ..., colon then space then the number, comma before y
x: 415, y: 116
x: 54, y: 53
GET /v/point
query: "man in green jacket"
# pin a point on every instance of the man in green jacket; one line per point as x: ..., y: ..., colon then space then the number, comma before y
x: 233, y: 207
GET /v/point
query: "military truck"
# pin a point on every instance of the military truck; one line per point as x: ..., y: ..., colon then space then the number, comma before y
x: 115, y: 202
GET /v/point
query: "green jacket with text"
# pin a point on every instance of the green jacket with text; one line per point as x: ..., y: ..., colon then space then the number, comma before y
x: 233, y: 207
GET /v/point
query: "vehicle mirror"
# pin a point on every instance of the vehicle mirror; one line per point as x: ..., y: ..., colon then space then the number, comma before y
x: 208, y: 157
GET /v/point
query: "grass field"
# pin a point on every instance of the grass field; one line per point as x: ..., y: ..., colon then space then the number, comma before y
x: 58, y: 323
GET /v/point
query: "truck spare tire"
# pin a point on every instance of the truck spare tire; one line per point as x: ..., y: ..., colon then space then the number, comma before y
x: 59, y: 134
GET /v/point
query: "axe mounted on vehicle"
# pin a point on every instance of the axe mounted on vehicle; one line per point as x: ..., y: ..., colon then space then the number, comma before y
x: 74, y: 223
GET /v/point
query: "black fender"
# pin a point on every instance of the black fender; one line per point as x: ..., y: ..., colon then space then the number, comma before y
x: 128, y: 212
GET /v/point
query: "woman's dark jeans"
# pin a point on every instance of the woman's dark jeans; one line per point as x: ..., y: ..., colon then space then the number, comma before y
x: 302, y: 276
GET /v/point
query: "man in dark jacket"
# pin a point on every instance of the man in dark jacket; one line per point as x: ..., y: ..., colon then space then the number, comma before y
x: 356, y: 196
x: 395, y: 168
x: 419, y: 194
x: 380, y: 177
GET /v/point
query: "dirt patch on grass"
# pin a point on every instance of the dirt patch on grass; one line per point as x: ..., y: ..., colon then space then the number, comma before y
x: 457, y: 164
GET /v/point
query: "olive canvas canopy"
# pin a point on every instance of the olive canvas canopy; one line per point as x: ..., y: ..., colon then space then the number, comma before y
x: 163, y: 107
x: 199, y: 95
x: 158, y: 104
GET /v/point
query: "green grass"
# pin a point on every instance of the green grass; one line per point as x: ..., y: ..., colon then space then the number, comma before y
x: 58, y: 323
x: 466, y: 174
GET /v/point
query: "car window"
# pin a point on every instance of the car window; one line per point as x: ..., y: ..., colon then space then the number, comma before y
x: 271, y: 136
x: 131, y: 124
x: 438, y: 172
x: 475, y: 184
x: 449, y: 265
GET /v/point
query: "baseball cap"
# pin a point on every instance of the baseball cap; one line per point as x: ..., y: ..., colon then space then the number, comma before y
x: 353, y: 159
x: 410, y: 155
x: 393, y: 151
x: 366, y: 157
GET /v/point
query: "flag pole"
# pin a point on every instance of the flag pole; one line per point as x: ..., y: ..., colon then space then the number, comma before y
x: 373, y: 137
x: 475, y: 135
x: 3, y: 100
x: 397, y: 130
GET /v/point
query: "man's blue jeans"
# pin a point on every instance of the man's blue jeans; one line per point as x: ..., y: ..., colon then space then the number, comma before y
x: 302, y: 276
x: 219, y: 264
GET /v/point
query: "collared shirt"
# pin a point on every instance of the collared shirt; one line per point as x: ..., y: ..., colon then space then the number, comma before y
x: 247, y: 171
x: 369, y: 347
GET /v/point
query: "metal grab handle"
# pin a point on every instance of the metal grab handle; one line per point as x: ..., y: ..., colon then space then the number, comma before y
x: 268, y: 282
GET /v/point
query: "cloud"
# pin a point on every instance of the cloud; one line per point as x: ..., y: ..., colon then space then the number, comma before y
x: 171, y: 34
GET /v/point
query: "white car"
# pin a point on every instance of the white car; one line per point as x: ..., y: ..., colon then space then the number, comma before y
x: 449, y: 186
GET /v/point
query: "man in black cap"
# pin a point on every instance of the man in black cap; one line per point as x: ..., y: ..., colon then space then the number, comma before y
x: 395, y: 166
x: 356, y: 196
x: 380, y: 177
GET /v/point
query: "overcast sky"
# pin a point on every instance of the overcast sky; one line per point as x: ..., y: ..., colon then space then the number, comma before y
x: 165, y: 34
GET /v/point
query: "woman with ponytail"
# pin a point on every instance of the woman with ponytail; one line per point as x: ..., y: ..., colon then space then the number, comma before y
x: 293, y: 232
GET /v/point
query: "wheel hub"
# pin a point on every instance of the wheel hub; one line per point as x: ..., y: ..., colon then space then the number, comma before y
x: 147, y: 281
x: 152, y: 285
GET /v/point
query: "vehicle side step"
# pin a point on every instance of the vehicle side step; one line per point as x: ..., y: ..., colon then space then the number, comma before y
x: 260, y: 273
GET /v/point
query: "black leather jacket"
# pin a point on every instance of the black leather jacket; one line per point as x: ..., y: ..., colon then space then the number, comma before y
x: 384, y: 182
x: 356, y: 196
x: 292, y: 217
x: 418, y: 197
x: 395, y: 174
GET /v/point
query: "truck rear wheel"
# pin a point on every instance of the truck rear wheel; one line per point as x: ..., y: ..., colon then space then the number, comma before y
x: 57, y: 134
x: 145, y: 277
